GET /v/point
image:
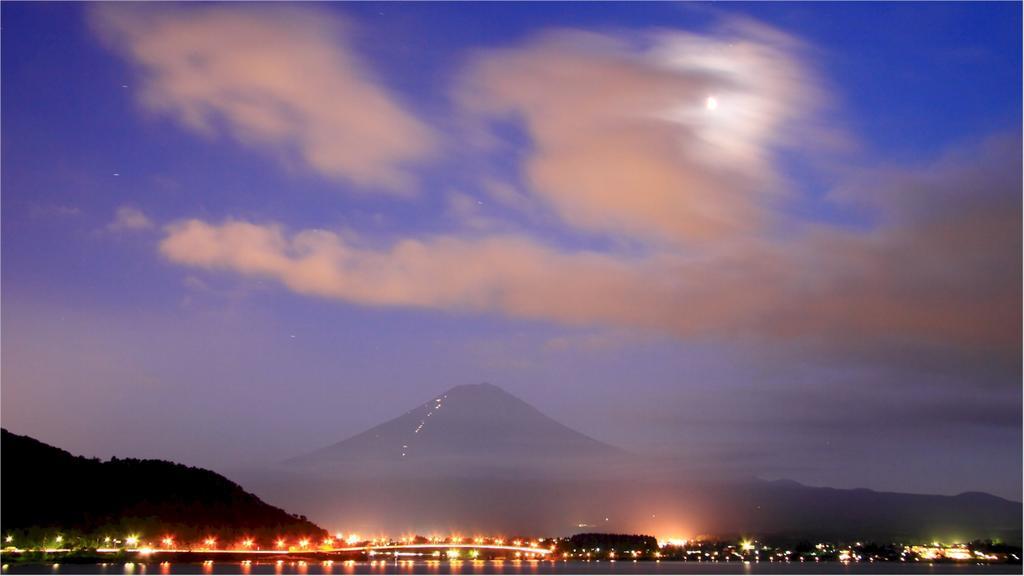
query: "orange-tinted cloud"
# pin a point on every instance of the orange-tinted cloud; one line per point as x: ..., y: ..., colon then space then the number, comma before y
x: 625, y: 143
x: 940, y: 265
x: 128, y: 218
x: 943, y: 260
x: 282, y: 80
x: 509, y: 274
x: 667, y: 136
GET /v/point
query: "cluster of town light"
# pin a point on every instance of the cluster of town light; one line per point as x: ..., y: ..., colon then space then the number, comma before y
x: 338, y: 541
x: 458, y: 547
x: 749, y: 551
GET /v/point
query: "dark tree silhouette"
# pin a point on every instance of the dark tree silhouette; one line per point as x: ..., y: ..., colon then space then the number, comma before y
x: 46, y: 489
x: 618, y: 543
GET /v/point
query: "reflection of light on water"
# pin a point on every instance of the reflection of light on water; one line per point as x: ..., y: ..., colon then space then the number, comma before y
x: 423, y: 564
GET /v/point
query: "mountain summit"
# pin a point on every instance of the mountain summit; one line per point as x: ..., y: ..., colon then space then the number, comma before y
x: 477, y: 423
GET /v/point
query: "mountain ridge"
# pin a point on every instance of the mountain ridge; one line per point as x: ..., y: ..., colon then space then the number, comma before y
x: 53, y: 488
x: 479, y: 423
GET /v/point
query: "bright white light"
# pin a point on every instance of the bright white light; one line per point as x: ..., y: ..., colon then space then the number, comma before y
x: 711, y: 103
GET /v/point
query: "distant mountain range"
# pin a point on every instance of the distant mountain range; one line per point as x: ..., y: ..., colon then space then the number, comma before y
x: 476, y: 458
x: 47, y: 488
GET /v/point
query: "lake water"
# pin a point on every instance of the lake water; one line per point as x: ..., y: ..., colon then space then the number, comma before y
x: 510, y: 567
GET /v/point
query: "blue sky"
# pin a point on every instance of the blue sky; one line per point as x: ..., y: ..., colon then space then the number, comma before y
x: 839, y: 239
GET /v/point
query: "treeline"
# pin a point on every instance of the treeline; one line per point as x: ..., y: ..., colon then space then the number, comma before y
x: 611, y: 542
x: 46, y: 489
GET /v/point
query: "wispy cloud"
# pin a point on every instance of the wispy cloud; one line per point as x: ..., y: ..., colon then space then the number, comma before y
x: 127, y: 218
x: 944, y: 273
x: 666, y: 136
x: 627, y: 144
x: 54, y: 210
x: 282, y: 80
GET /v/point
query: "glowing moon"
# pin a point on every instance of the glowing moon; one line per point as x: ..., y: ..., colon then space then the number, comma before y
x: 711, y: 103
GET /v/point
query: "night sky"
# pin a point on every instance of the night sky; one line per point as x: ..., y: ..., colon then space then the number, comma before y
x: 778, y: 239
